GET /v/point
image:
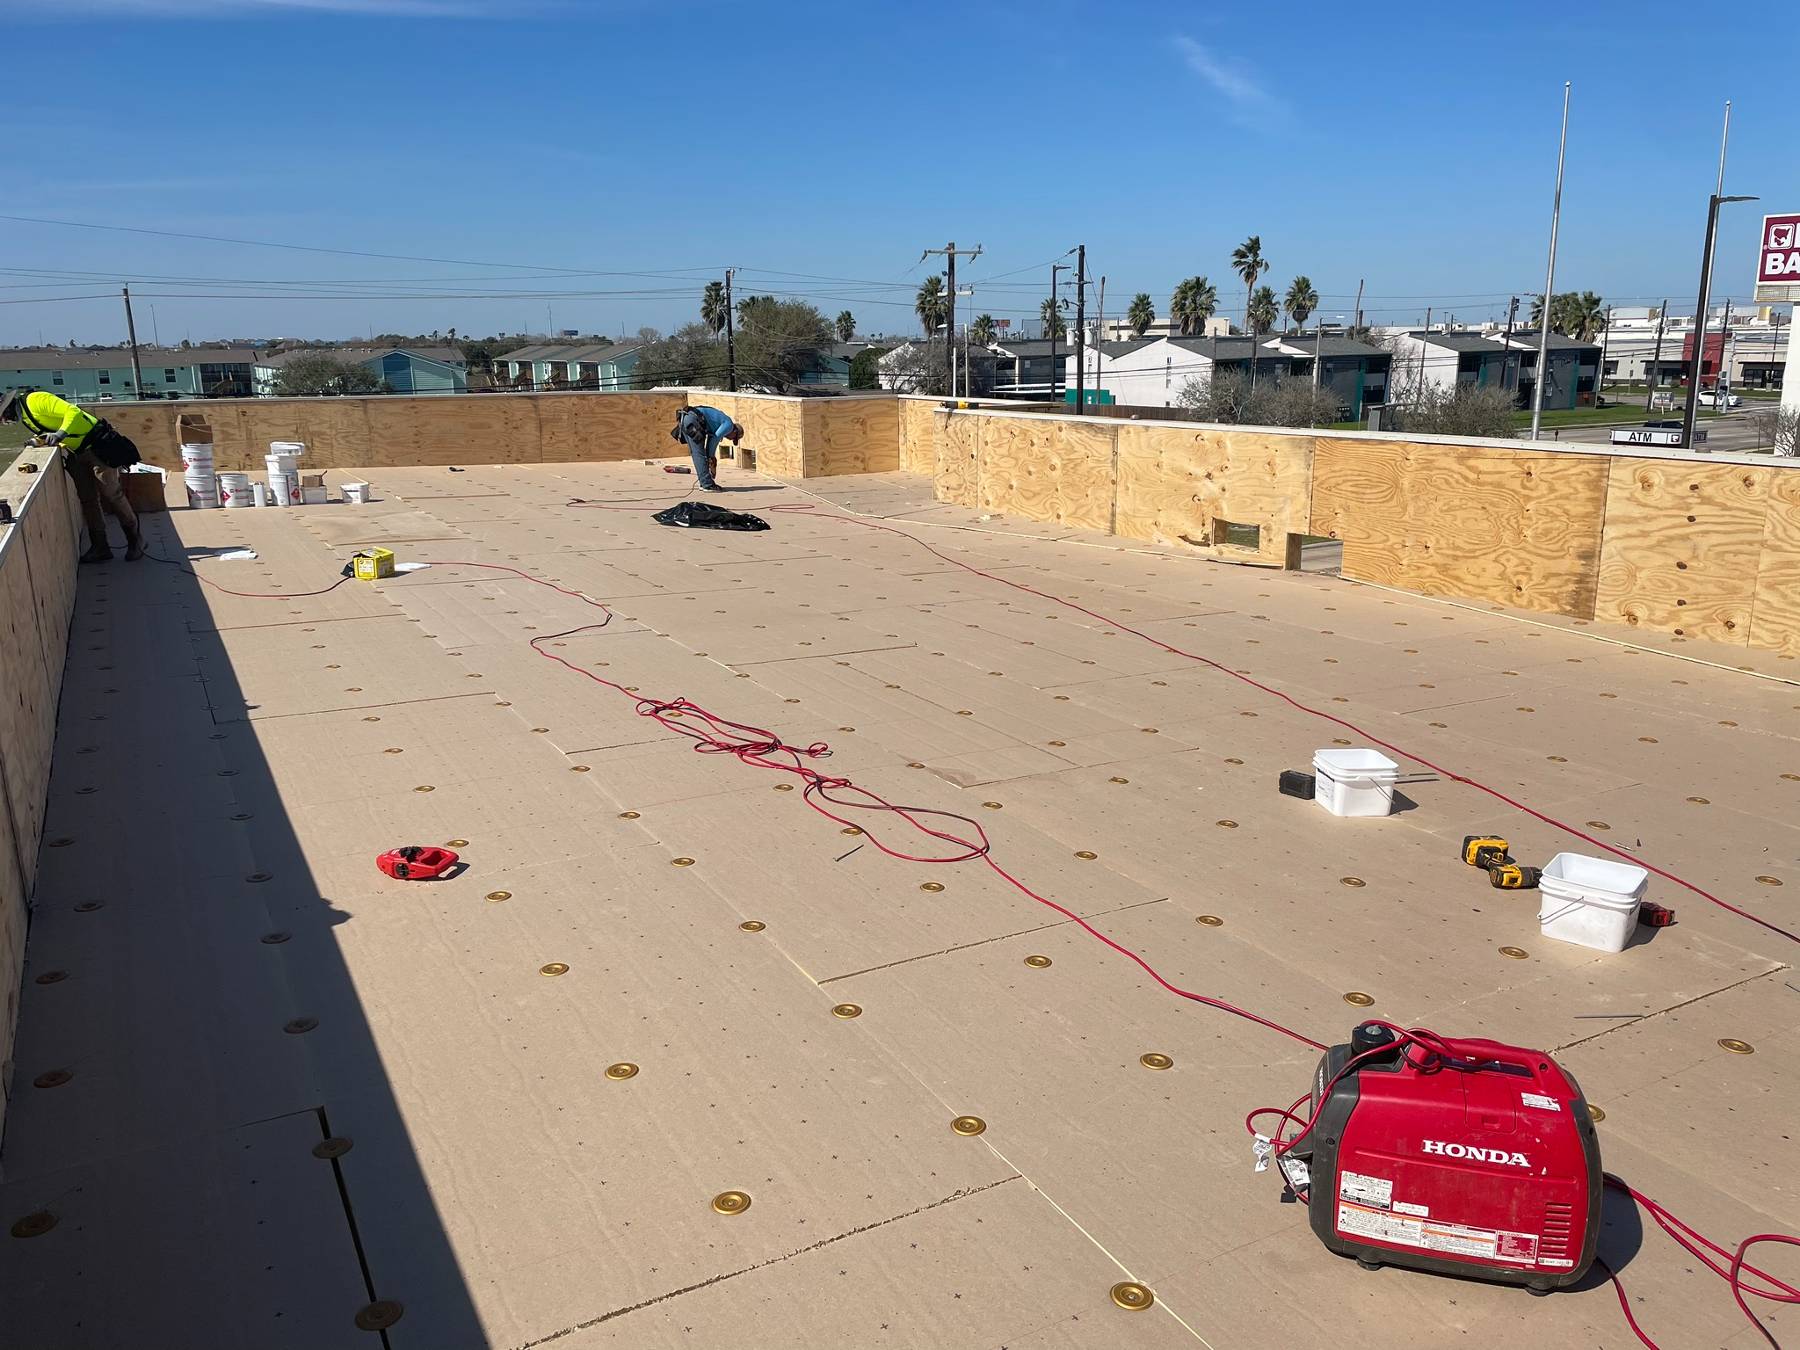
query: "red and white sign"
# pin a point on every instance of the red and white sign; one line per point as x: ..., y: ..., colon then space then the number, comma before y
x: 1778, y: 257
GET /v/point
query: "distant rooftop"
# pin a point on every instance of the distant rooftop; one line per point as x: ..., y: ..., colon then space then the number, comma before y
x: 113, y: 358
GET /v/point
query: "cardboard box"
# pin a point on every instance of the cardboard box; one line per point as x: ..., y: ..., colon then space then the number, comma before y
x: 144, y: 491
x: 374, y: 563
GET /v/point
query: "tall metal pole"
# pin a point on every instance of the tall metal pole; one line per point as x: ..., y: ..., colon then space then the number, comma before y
x: 1359, y: 290
x: 1080, y: 327
x: 1050, y: 324
x: 1100, y: 356
x: 1691, y: 407
x: 1318, y: 346
x: 1654, y: 374
x: 1424, y: 346
x: 137, y: 371
x: 730, y: 339
x: 1543, y: 361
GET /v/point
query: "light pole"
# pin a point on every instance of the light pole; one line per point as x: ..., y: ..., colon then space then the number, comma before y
x: 1543, y: 361
x: 1713, y: 203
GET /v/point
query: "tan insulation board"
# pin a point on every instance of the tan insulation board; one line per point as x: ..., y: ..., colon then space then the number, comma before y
x: 1683, y: 545
x: 511, y: 1195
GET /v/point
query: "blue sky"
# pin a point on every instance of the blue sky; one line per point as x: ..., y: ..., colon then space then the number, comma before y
x: 833, y: 142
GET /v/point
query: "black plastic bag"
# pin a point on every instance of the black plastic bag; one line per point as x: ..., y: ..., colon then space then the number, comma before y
x: 706, y: 516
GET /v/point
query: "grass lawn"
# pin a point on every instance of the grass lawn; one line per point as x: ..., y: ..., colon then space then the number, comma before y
x: 1584, y: 417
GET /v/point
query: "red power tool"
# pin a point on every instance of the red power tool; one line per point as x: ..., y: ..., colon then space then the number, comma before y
x: 1468, y: 1158
x: 416, y: 862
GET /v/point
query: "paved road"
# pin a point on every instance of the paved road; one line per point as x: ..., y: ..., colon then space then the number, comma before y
x: 1736, y: 431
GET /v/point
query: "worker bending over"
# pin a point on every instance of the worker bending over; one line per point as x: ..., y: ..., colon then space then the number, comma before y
x: 93, y: 454
x: 703, y: 428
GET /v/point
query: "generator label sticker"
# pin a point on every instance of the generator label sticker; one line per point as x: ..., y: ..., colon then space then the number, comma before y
x: 1452, y: 1239
x: 1418, y: 1211
x: 1375, y: 1191
x: 1540, y: 1101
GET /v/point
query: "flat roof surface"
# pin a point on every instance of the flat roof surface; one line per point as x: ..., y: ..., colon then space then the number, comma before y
x: 240, y: 987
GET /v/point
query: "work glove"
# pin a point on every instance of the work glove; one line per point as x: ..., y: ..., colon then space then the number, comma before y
x: 53, y: 438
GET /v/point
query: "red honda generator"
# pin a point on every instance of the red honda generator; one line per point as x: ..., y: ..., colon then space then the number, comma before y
x: 1466, y: 1158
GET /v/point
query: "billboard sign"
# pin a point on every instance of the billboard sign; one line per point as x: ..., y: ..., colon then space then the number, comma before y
x: 1778, y: 258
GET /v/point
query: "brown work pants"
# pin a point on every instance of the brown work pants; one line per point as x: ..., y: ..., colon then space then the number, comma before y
x: 97, y: 485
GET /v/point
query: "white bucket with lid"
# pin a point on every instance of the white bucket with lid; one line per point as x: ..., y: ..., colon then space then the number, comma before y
x: 202, y: 492
x: 196, y: 457
x: 234, y: 490
x: 1590, y: 901
x: 1354, y: 782
x: 357, y: 493
x: 294, y: 448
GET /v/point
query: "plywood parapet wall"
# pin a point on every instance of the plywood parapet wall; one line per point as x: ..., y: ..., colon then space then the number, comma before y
x: 1681, y: 546
x: 37, y: 599
x: 398, y: 432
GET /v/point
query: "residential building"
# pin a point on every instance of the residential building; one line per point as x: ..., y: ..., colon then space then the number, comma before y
x: 562, y: 365
x: 1440, y: 361
x: 1120, y: 330
x: 1152, y: 372
x: 1573, y: 370
x: 84, y: 376
x: 400, y: 370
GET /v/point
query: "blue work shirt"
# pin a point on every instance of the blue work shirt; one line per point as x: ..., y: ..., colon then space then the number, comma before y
x: 717, y: 423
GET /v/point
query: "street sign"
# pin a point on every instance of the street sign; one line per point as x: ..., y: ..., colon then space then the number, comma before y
x: 1778, y: 258
x: 1651, y: 436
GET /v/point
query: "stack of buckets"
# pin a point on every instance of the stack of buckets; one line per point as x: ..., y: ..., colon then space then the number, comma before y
x: 283, y: 463
x: 197, y: 471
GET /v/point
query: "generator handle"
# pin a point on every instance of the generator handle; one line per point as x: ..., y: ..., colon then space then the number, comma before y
x: 1539, y: 1066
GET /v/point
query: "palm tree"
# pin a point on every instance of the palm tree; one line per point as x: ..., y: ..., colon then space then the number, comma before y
x: 1301, y: 300
x: 1050, y: 316
x: 1192, y: 305
x: 712, y: 306
x: 929, y: 305
x: 1262, y: 310
x: 1248, y: 262
x: 981, y: 332
x: 1583, y: 315
x: 1141, y: 314
x: 846, y: 326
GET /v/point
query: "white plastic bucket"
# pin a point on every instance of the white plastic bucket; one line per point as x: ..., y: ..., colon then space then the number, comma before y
x: 202, y: 492
x: 1354, y: 782
x: 356, y: 493
x: 1590, y: 901
x: 261, y: 492
x: 195, y: 457
x: 284, y: 489
x: 294, y: 448
x: 282, y: 463
x: 234, y: 490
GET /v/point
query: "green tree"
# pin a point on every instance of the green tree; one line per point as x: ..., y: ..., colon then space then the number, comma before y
x: 846, y: 325
x: 778, y: 342
x: 691, y: 355
x: 865, y: 368
x: 324, y: 372
x: 930, y: 304
x: 1050, y: 317
x: 1141, y: 314
x: 1192, y: 304
x: 1577, y: 314
x: 1248, y: 262
x: 981, y: 332
x: 712, y: 307
x: 1263, y: 311
x: 1301, y: 300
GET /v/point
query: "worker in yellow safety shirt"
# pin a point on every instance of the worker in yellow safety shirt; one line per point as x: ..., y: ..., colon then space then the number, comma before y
x: 93, y: 453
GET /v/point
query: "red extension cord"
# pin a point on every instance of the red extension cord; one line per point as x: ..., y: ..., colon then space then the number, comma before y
x: 712, y: 734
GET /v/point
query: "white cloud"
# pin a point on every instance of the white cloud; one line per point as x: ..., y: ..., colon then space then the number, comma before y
x: 1231, y: 79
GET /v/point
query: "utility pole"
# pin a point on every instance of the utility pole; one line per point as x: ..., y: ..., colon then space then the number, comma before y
x: 1712, y: 226
x: 137, y: 371
x: 1318, y: 346
x: 1100, y: 355
x: 155, y: 332
x: 1543, y: 361
x: 1359, y: 290
x: 730, y: 338
x: 1424, y: 346
x: 1051, y: 322
x: 1600, y: 375
x: 950, y: 252
x: 1652, y: 375
x: 1512, y: 312
x: 1722, y: 380
x: 1080, y: 327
